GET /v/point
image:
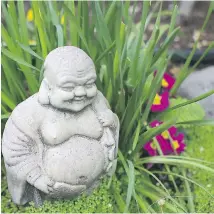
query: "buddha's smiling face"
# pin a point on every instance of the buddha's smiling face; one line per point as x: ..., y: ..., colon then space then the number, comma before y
x: 74, y: 89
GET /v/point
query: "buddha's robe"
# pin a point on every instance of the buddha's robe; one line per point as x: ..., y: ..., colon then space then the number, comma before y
x: 36, y: 138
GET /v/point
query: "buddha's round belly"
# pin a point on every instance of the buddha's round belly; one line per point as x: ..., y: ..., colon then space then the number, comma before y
x: 77, y: 161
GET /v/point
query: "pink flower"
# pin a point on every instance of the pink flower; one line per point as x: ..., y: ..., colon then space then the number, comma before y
x: 161, y: 102
x: 168, y: 80
x: 151, y: 148
x: 169, y: 141
x: 178, y: 144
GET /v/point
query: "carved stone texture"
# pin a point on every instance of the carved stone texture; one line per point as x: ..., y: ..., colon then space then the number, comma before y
x: 62, y: 140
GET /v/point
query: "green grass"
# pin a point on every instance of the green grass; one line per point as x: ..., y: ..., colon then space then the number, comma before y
x: 200, y: 145
x: 100, y: 201
x: 124, y: 64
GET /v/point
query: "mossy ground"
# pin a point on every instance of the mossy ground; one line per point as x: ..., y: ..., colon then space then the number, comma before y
x: 201, y: 145
x: 100, y: 201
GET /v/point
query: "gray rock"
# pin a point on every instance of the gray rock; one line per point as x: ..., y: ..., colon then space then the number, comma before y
x: 198, y: 83
x: 62, y: 140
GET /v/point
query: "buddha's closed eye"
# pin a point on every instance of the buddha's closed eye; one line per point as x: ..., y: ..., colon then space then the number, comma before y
x: 89, y: 85
x: 67, y: 88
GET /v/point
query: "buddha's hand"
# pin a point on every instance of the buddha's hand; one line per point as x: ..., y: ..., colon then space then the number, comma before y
x: 64, y: 190
x: 44, y: 183
x: 107, y: 118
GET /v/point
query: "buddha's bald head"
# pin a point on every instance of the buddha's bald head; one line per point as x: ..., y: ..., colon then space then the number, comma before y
x: 69, y: 79
x: 68, y: 62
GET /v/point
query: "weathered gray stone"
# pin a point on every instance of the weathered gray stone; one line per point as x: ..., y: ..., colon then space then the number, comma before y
x: 198, y: 83
x: 62, y: 140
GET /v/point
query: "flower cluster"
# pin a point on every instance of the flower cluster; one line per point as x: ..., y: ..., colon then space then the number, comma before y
x: 170, y: 141
x: 161, y: 101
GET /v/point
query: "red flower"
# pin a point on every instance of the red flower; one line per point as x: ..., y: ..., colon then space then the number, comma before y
x: 169, y: 141
x: 161, y: 102
x: 168, y: 81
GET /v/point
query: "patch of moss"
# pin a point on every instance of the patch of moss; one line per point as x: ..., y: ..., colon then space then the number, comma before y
x: 201, y: 146
x: 100, y: 201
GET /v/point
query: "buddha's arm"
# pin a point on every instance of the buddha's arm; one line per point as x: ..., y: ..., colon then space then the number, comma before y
x: 101, y: 105
x: 20, y: 153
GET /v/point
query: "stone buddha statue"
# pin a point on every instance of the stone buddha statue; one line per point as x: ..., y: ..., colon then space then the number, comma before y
x: 62, y: 140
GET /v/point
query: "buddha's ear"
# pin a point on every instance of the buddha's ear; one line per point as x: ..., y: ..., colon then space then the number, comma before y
x: 43, y: 95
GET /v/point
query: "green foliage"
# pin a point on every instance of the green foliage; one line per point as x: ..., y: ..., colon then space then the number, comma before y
x: 190, y: 112
x: 200, y: 145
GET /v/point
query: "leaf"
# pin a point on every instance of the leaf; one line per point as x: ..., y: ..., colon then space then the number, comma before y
x: 136, y: 136
x: 30, y: 51
x: 102, y: 25
x: 74, y: 21
x: 131, y: 184
x: 105, y: 53
x: 7, y: 101
x: 175, y: 161
x: 192, y: 111
x: 18, y: 59
x: 59, y: 35
x: 197, y: 123
x: 110, y: 12
x: 5, y: 116
x: 165, y: 45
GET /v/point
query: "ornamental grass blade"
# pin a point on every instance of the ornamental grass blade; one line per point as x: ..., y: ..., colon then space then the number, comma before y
x: 110, y: 12
x: 165, y: 194
x: 119, y: 201
x: 132, y: 77
x: 43, y: 37
x: 186, y: 178
x: 12, y: 29
x: 141, y: 202
x: 75, y: 23
x: 136, y: 135
x: 205, y: 52
x: 165, y: 45
x: 22, y: 23
x: 55, y: 20
x: 17, y: 59
x: 60, y: 35
x: 197, y: 123
x: 72, y: 27
x: 131, y: 185
x: 155, y: 85
x: 174, y: 161
x: 30, y: 51
x: 85, y: 21
x: 105, y: 53
x: 5, y: 116
x: 201, y: 97
x: 13, y: 79
x: 7, y: 101
x: 102, y: 27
